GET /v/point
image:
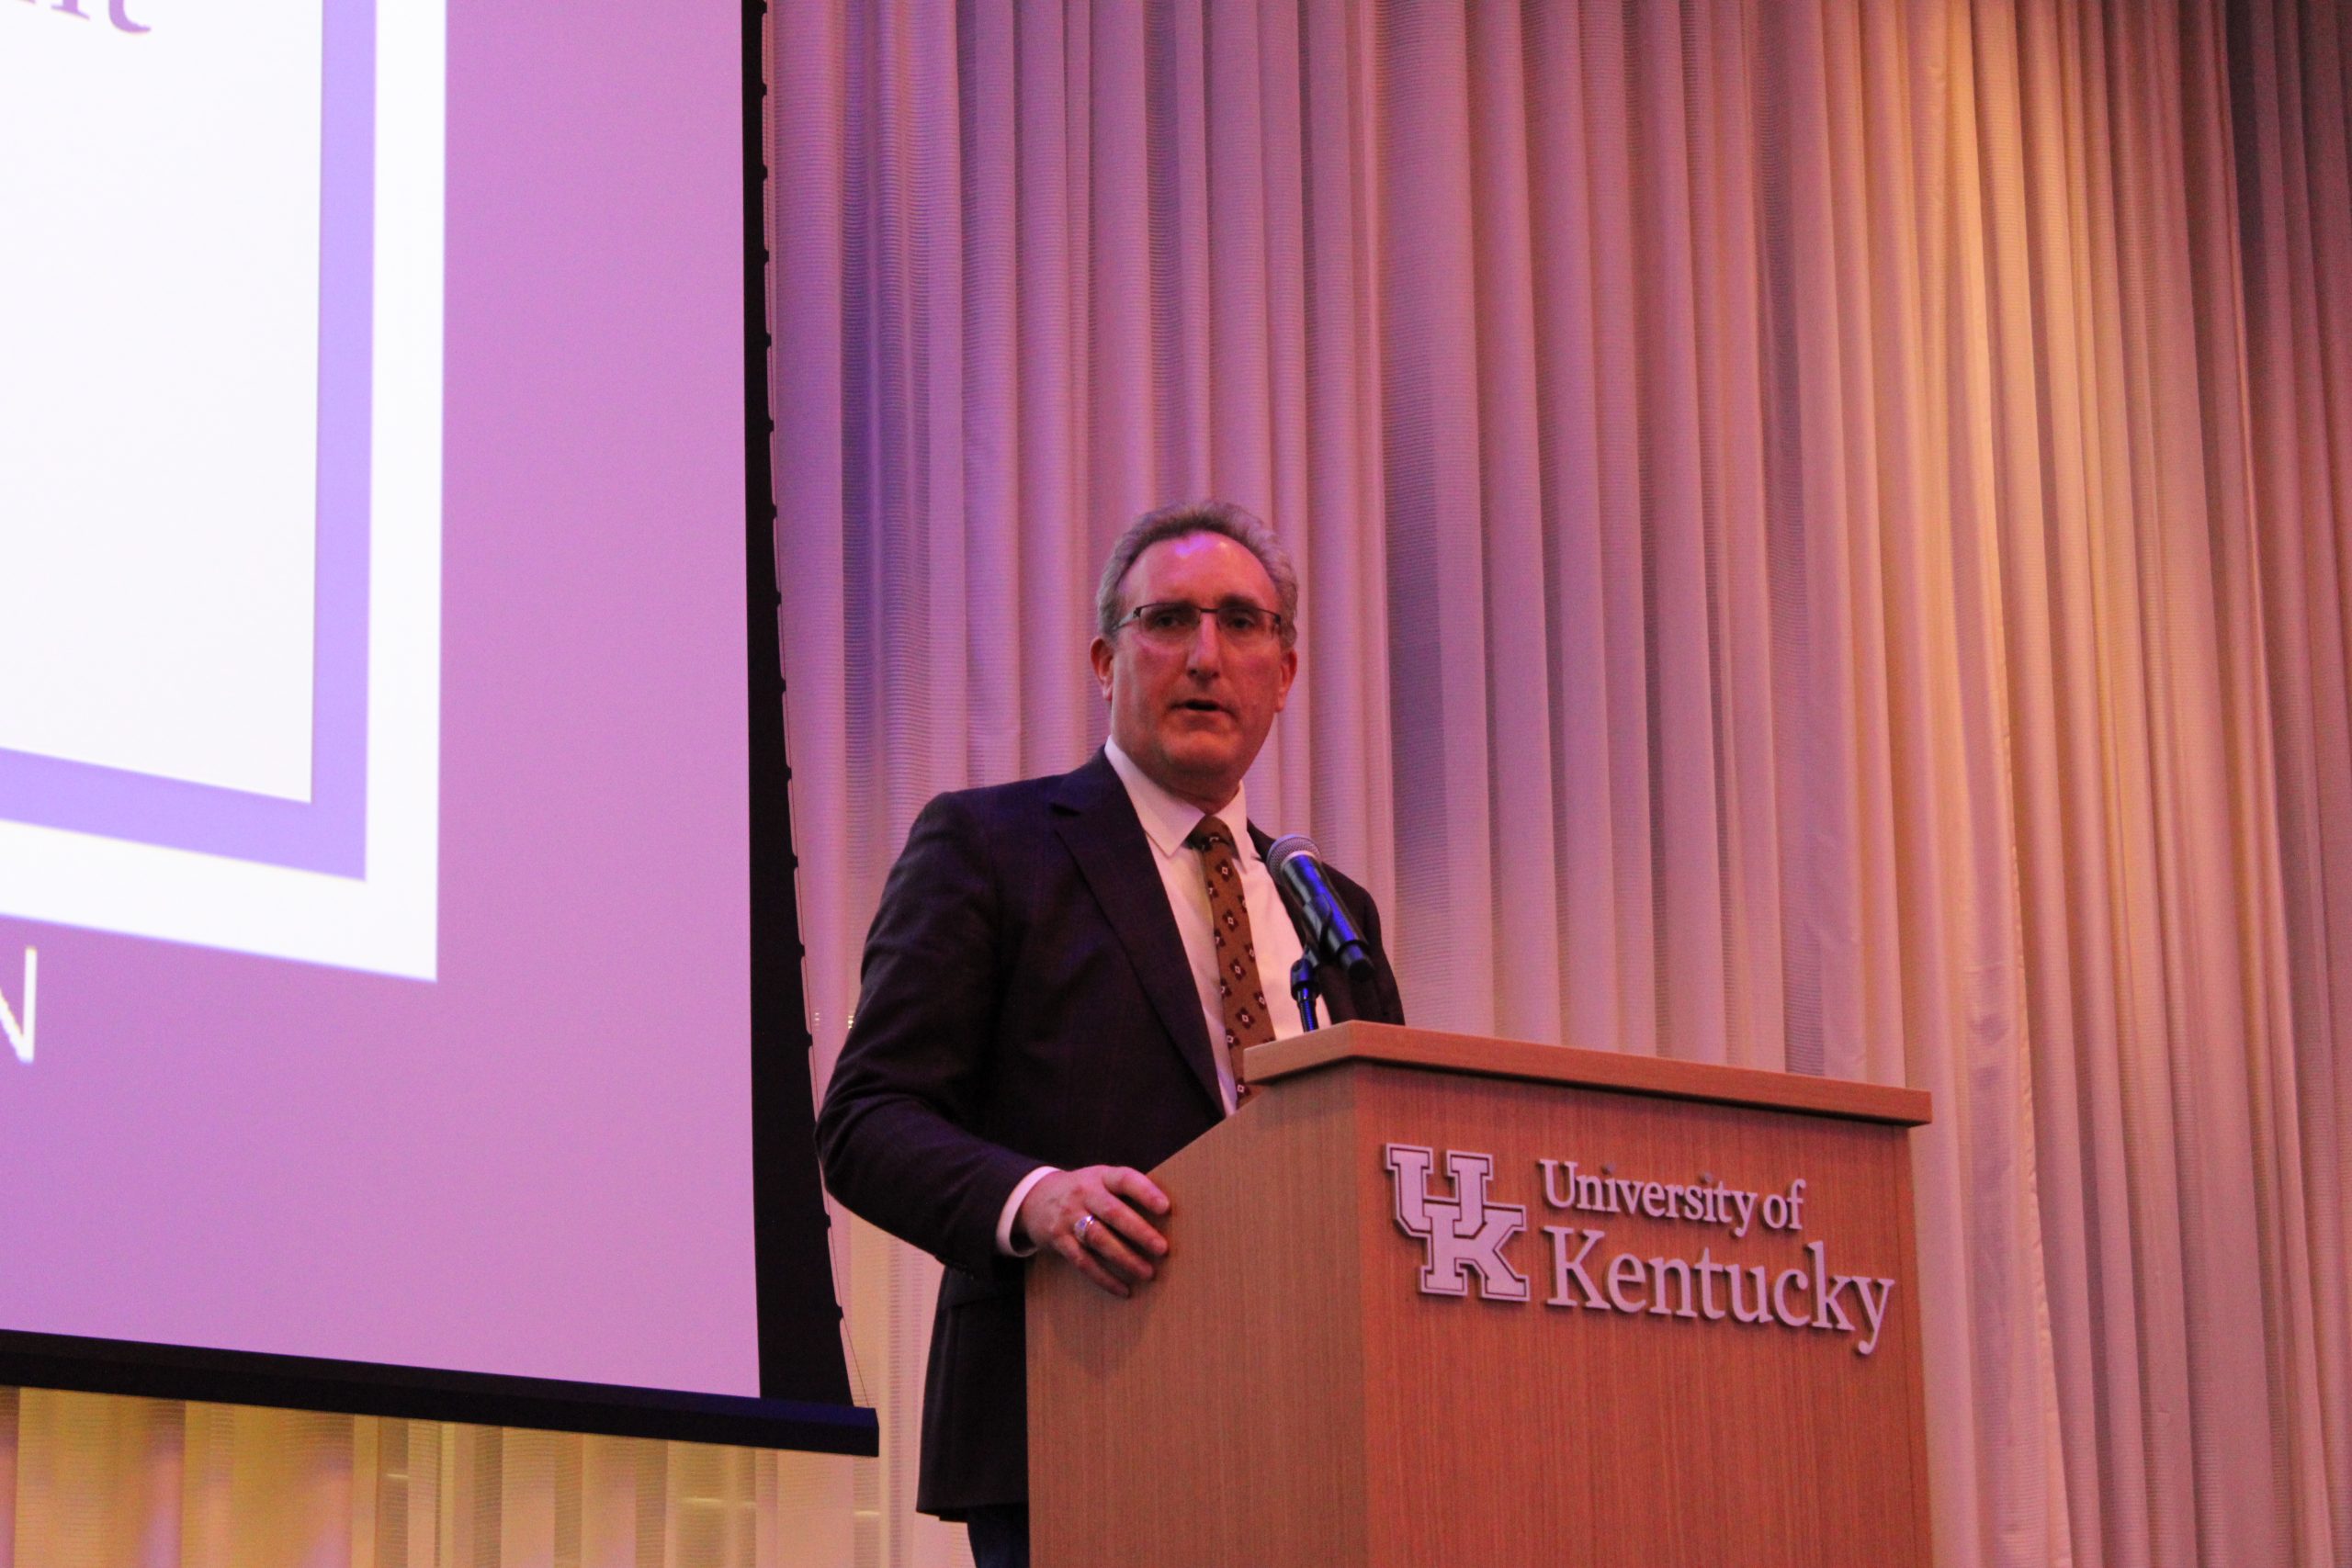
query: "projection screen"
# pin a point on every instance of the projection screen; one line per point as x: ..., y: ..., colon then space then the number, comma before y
x: 394, y: 895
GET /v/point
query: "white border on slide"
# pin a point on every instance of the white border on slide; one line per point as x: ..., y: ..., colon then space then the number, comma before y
x: 386, y: 921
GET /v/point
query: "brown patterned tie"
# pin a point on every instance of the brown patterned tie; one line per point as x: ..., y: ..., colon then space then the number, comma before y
x: 1239, y: 990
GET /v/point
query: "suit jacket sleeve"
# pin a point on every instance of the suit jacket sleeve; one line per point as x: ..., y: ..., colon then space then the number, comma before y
x: 895, y: 1135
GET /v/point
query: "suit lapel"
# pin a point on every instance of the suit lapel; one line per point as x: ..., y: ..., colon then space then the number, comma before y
x: 1098, y: 823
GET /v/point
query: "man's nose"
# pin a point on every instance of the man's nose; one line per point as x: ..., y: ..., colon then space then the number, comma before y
x: 1207, y: 650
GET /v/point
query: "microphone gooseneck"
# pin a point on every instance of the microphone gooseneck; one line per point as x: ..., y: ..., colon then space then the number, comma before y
x: 1324, y: 929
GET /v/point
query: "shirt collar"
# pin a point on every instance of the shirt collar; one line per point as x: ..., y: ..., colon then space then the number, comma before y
x: 1168, y: 822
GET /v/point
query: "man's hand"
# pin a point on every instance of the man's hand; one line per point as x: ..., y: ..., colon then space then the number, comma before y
x: 1092, y: 1217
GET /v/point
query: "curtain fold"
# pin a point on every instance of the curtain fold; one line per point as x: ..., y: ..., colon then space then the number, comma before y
x: 106, y: 1482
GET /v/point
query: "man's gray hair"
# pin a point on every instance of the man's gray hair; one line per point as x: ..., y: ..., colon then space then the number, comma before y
x: 1190, y: 517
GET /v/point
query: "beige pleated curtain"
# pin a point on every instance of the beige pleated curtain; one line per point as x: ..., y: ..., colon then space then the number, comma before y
x: 1821, y: 526
x: 1825, y: 526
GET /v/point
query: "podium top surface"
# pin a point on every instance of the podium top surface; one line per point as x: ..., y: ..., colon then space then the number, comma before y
x: 1391, y: 1045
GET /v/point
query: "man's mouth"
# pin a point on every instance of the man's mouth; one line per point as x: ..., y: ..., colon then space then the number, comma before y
x: 1199, y: 705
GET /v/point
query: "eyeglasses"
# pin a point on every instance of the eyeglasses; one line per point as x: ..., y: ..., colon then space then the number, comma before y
x: 1171, y: 623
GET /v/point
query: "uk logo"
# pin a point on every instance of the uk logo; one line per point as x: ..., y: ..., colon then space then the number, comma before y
x: 1463, y: 1234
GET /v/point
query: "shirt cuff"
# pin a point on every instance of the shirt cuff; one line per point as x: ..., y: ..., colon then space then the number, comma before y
x: 1006, y: 1241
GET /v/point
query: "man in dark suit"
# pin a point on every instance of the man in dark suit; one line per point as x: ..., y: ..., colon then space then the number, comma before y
x: 1060, y: 981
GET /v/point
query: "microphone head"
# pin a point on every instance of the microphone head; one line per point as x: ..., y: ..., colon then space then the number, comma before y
x: 1288, y: 846
x: 1324, y: 927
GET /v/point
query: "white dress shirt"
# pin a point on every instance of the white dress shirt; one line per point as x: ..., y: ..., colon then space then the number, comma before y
x: 1166, y: 823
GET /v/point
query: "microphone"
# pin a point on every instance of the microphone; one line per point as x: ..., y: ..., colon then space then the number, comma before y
x: 1324, y: 927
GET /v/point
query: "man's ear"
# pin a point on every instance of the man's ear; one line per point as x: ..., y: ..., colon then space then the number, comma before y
x: 1100, y: 653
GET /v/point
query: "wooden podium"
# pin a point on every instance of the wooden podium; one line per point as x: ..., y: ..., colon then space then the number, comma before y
x: 1710, y: 1355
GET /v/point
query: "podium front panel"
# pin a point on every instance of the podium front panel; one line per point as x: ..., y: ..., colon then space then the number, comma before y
x: 1678, y: 1382
x: 1424, y: 1316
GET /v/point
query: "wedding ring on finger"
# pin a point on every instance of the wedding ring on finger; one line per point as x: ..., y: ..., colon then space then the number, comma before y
x: 1085, y: 1223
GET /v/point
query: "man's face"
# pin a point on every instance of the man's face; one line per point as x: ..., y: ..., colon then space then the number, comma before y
x: 1194, y: 716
